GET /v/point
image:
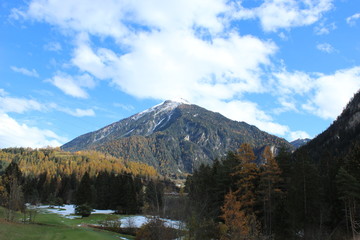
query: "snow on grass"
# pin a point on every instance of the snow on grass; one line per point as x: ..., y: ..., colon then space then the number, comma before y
x: 68, y: 211
x: 96, y: 211
x: 138, y: 221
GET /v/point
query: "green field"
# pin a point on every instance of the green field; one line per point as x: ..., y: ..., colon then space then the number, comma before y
x: 50, y: 226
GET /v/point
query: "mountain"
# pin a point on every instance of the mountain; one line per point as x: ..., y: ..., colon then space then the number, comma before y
x: 300, y: 142
x: 342, y: 135
x: 174, y: 137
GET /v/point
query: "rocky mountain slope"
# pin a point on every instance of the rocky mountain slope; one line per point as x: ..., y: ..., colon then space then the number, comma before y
x: 175, y: 137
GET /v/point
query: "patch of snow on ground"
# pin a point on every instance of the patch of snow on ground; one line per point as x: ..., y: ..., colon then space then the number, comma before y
x: 68, y: 210
x: 138, y: 221
x: 61, y: 210
x: 96, y: 211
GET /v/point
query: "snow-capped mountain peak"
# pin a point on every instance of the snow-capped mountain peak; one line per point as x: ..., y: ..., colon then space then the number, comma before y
x: 165, y: 106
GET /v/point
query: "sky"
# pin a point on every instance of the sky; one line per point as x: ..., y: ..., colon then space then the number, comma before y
x: 70, y: 67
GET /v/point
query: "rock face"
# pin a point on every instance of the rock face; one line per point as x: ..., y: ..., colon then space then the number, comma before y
x: 174, y: 137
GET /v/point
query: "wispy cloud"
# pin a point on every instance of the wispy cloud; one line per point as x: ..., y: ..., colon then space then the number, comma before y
x: 322, y: 28
x: 72, y: 86
x: 10, y: 104
x: 24, y: 71
x: 352, y: 19
x: 78, y: 112
x: 53, y: 46
x: 126, y: 107
x: 18, y: 105
x: 325, y: 47
x: 277, y: 14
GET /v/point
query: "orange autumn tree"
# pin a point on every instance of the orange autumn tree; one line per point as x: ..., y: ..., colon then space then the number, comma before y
x: 244, y: 199
x: 236, y: 221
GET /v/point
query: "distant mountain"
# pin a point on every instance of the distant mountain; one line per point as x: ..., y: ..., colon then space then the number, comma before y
x: 175, y: 137
x: 341, y: 136
x: 300, y: 142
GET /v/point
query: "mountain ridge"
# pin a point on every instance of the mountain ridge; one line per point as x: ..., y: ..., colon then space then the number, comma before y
x: 174, y: 137
x: 340, y: 136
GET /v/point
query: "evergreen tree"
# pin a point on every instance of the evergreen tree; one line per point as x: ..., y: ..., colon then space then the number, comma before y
x: 349, y: 189
x: 269, y: 189
x: 12, y: 193
x: 84, y: 192
x: 154, y: 195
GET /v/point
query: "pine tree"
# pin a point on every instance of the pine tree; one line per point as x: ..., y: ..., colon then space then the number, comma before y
x: 269, y: 189
x: 349, y: 189
x: 84, y: 191
x: 11, y: 192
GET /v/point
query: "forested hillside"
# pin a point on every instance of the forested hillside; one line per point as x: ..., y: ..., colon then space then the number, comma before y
x: 313, y: 193
x: 90, y: 179
x: 55, y: 162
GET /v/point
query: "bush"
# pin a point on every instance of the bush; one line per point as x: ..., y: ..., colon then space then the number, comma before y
x: 155, y: 229
x: 83, y: 210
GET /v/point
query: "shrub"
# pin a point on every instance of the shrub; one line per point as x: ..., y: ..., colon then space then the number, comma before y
x: 83, y: 210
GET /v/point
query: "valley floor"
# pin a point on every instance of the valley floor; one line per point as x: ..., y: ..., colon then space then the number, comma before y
x: 52, y: 226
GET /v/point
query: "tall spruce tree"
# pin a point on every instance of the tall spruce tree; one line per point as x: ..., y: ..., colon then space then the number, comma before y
x: 84, y: 192
x: 12, y: 193
x: 269, y: 189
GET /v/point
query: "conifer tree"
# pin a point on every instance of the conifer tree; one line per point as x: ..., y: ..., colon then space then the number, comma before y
x: 235, y: 219
x: 84, y: 191
x: 269, y: 189
x: 11, y: 192
x: 248, y: 174
x: 349, y: 189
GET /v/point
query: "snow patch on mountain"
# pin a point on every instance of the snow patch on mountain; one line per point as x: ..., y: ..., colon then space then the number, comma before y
x: 166, y: 106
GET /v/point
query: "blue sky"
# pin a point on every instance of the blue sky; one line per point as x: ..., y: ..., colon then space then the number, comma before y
x: 70, y: 67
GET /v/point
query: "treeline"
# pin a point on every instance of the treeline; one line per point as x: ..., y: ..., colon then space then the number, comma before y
x: 57, y: 163
x: 90, y: 179
x: 289, y: 197
x: 124, y: 193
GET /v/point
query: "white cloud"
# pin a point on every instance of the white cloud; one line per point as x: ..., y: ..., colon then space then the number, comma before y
x: 287, y: 83
x: 73, y: 86
x: 14, y: 134
x: 126, y: 107
x: 352, y: 19
x: 321, y: 95
x: 179, y: 48
x: 298, y: 135
x: 53, y: 46
x: 245, y: 111
x: 2, y: 92
x: 78, y: 112
x: 325, y: 47
x: 322, y: 28
x: 22, y: 105
x: 18, y: 105
x: 277, y: 14
x: 24, y: 71
x: 332, y: 92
